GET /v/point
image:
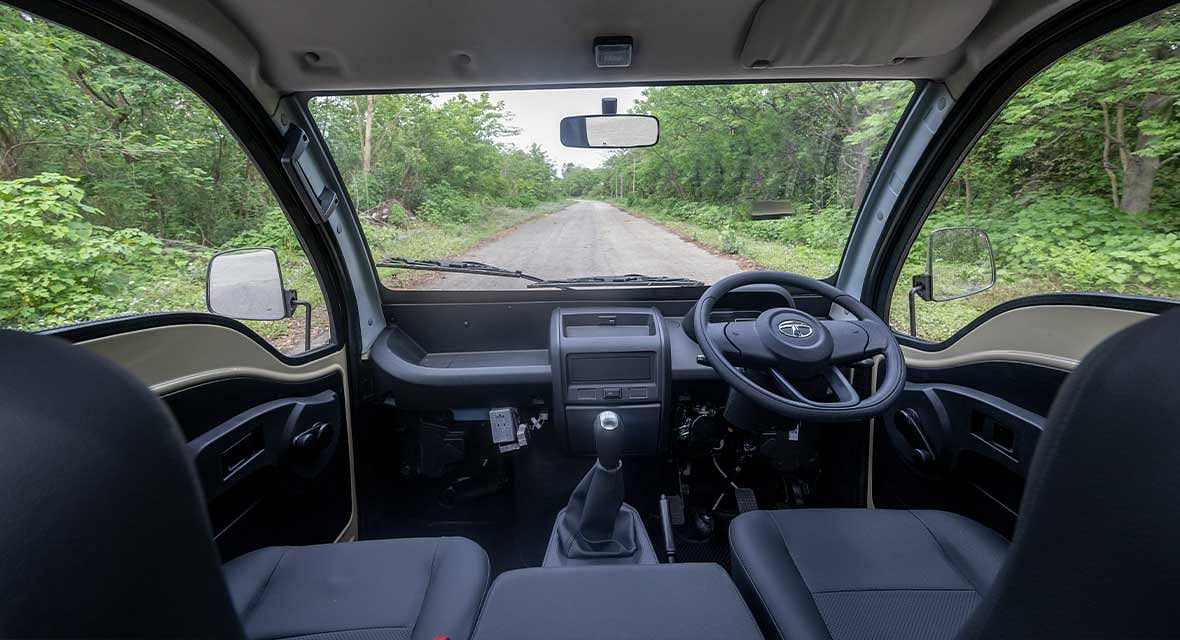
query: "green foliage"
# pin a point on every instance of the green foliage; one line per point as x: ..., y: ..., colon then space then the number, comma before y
x: 1077, y: 181
x: 1071, y: 241
x: 812, y: 143
x: 55, y: 267
x: 731, y: 242
x: 273, y: 230
x: 419, y: 147
x: 446, y: 205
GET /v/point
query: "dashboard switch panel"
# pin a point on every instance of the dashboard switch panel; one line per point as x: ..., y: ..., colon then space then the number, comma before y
x: 610, y: 358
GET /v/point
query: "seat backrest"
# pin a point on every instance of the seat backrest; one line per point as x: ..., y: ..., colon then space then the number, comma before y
x: 1095, y: 550
x: 105, y: 532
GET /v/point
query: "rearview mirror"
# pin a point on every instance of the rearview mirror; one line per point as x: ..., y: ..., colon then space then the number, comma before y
x: 959, y: 263
x: 247, y: 284
x: 610, y: 131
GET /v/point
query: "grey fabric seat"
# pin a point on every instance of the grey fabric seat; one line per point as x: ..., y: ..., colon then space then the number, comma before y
x: 689, y: 601
x: 1093, y: 554
x: 860, y: 573
x: 374, y: 590
x: 108, y: 534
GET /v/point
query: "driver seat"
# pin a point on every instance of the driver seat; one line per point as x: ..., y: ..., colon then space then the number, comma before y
x: 1093, y: 553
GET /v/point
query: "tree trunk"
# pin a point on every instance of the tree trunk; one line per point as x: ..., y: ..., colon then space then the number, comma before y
x: 1139, y: 171
x: 967, y: 200
x: 1106, y: 164
x: 8, y: 162
x: 367, y: 142
x: 860, y: 173
x: 1138, y: 179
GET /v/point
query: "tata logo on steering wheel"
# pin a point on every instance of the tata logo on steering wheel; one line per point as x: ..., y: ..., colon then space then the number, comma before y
x: 795, y: 329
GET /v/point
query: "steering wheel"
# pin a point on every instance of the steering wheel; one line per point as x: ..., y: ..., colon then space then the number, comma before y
x: 789, y: 344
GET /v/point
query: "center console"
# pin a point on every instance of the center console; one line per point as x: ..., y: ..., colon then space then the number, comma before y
x: 606, y: 358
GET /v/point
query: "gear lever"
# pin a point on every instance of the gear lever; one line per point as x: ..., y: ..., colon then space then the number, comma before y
x: 596, y: 526
x: 608, y: 439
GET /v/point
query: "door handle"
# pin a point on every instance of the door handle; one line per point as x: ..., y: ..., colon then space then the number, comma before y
x: 313, y: 439
x: 909, y: 424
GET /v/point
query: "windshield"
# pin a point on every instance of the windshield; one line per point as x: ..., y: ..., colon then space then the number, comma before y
x: 760, y: 176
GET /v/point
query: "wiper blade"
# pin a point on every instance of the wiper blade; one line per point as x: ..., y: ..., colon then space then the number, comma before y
x: 628, y: 280
x: 456, y: 266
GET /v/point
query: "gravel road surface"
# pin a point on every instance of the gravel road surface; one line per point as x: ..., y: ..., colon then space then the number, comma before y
x: 587, y: 238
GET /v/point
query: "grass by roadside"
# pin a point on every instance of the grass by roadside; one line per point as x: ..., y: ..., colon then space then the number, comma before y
x: 936, y: 321
x: 418, y: 239
x: 751, y: 253
x: 422, y: 240
x: 183, y: 289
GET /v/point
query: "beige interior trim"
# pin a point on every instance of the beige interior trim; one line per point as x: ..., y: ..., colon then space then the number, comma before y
x: 1056, y: 336
x: 174, y: 357
x: 873, y: 378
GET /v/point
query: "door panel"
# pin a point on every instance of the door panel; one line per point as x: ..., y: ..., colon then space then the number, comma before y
x: 276, y: 473
x: 270, y: 436
x: 955, y: 448
x: 963, y: 435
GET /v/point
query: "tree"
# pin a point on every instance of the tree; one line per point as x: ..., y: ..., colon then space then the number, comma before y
x: 1111, y: 102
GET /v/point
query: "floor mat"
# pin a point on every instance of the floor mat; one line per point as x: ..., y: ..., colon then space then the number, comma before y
x: 715, y: 550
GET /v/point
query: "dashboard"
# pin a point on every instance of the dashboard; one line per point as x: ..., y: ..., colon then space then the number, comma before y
x: 572, y: 359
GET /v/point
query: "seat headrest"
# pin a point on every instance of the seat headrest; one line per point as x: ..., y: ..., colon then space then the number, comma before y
x: 1094, y: 551
x: 105, y: 531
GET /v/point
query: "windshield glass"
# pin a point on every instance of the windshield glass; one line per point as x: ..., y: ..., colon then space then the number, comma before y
x: 743, y: 177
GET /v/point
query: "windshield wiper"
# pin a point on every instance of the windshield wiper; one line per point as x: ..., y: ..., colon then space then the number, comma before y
x: 627, y: 280
x: 480, y: 268
x: 457, y: 266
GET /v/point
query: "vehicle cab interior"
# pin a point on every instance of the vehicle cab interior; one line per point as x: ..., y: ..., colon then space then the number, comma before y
x: 777, y: 319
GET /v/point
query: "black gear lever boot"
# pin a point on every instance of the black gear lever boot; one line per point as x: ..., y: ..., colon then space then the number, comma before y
x: 596, y: 524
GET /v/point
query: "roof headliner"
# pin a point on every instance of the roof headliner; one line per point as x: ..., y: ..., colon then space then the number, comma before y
x: 366, y: 45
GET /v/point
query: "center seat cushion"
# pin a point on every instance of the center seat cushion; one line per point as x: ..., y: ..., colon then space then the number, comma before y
x: 863, y: 573
x: 648, y: 602
x: 402, y: 589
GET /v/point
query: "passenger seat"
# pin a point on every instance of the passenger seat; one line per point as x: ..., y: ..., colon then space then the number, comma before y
x: 391, y: 589
x: 106, y: 533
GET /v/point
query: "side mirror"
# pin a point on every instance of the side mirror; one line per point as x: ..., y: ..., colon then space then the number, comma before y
x: 959, y: 263
x: 247, y: 284
x: 610, y: 131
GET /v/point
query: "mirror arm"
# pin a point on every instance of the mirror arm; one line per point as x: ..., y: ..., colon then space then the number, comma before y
x: 921, y: 287
x: 306, y: 322
x: 293, y: 302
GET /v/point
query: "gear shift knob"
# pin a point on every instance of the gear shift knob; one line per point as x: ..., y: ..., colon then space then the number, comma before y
x: 608, y: 439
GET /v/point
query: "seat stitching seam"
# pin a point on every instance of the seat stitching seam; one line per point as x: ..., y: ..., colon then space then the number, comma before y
x: 946, y: 554
x: 749, y: 614
x: 758, y: 592
x: 265, y: 585
x: 483, y: 600
x: 782, y: 536
x: 320, y: 633
x: 900, y: 589
x: 426, y: 591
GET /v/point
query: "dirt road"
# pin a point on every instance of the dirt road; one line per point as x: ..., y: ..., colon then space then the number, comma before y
x: 587, y: 238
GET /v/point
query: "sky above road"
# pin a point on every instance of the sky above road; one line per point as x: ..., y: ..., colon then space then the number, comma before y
x: 536, y: 115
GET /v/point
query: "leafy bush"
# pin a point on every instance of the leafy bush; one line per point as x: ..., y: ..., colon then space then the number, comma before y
x: 731, y: 243
x: 55, y: 267
x: 1076, y: 241
x: 398, y: 216
x: 272, y: 231
x: 446, y: 205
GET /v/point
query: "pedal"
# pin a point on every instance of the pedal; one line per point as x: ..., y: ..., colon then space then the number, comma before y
x: 746, y: 500
x: 676, y: 509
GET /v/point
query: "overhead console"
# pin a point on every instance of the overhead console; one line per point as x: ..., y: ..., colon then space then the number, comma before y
x: 609, y: 358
